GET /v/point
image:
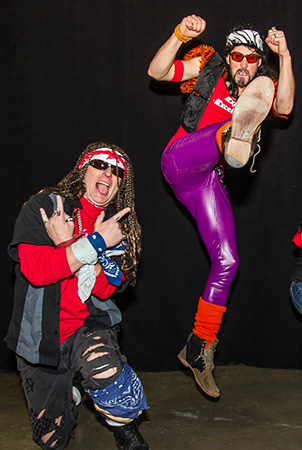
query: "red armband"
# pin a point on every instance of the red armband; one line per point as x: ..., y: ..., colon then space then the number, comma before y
x: 178, y: 71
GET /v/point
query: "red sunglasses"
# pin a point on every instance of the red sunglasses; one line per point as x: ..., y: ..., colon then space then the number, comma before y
x: 251, y: 58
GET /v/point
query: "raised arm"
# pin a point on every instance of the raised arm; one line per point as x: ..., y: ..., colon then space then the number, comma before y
x: 162, y: 65
x: 286, y: 86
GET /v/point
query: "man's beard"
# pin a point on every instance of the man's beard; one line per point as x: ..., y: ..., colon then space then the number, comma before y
x: 233, y: 85
x: 241, y: 78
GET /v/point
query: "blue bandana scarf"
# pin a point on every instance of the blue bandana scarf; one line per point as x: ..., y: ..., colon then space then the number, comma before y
x: 110, y: 267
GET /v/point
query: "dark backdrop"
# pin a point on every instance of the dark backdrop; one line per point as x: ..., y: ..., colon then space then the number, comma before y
x: 75, y: 71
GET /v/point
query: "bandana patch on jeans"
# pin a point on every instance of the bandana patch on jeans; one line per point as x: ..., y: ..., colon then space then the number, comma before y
x: 125, y: 397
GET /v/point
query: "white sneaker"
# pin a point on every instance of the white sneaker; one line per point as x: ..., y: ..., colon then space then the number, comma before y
x: 76, y: 395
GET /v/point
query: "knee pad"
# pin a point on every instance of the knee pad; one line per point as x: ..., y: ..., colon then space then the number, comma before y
x: 123, y: 399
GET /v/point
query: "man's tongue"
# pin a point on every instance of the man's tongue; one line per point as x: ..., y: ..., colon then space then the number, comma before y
x: 102, y: 188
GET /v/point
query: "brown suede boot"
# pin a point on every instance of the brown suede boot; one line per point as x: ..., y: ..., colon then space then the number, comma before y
x: 251, y: 109
x: 201, y: 361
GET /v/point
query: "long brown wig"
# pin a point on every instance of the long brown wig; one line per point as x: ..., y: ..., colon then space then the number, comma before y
x: 73, y: 186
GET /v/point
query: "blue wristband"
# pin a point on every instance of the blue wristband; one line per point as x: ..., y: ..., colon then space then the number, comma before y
x: 97, y: 242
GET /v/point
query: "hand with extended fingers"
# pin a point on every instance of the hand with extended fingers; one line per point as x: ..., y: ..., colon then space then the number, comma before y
x: 110, y: 230
x: 59, y: 226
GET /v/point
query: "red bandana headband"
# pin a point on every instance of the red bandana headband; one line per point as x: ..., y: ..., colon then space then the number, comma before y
x: 104, y: 154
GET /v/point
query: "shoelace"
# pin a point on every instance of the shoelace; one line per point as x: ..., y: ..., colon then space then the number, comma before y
x: 257, y: 153
x: 208, y: 359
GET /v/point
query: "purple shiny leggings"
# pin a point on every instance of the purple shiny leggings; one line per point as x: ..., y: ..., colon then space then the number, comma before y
x: 188, y: 166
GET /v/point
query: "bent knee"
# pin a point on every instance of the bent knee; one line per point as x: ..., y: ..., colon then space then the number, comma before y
x: 226, y: 265
x: 233, y: 263
x: 102, y: 363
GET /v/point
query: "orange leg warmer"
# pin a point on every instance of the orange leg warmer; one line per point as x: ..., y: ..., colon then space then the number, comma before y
x: 219, y: 135
x: 208, y: 320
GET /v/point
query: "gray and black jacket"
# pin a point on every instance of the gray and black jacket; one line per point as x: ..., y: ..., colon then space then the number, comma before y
x: 34, y: 328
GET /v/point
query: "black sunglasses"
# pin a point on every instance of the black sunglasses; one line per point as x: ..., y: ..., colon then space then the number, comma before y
x: 102, y: 165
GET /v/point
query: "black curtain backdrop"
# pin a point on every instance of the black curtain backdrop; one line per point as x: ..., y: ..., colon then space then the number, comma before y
x: 75, y: 71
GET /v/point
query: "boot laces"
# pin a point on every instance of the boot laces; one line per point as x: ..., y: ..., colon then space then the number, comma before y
x: 252, y: 170
x: 207, y: 358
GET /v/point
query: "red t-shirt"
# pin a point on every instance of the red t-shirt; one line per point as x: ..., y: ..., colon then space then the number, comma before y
x: 43, y: 265
x: 219, y: 109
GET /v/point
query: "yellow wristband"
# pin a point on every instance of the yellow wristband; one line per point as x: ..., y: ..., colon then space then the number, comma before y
x: 180, y: 36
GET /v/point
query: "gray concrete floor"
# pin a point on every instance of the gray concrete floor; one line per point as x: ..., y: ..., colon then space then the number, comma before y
x: 258, y: 409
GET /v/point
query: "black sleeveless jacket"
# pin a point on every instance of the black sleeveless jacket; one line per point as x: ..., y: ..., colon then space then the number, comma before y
x: 203, y: 89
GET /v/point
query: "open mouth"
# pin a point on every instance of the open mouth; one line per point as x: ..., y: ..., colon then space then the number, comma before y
x: 242, y: 77
x: 242, y: 73
x: 102, y: 187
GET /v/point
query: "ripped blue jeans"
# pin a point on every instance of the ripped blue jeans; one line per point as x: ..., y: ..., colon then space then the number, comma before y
x: 48, y: 390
